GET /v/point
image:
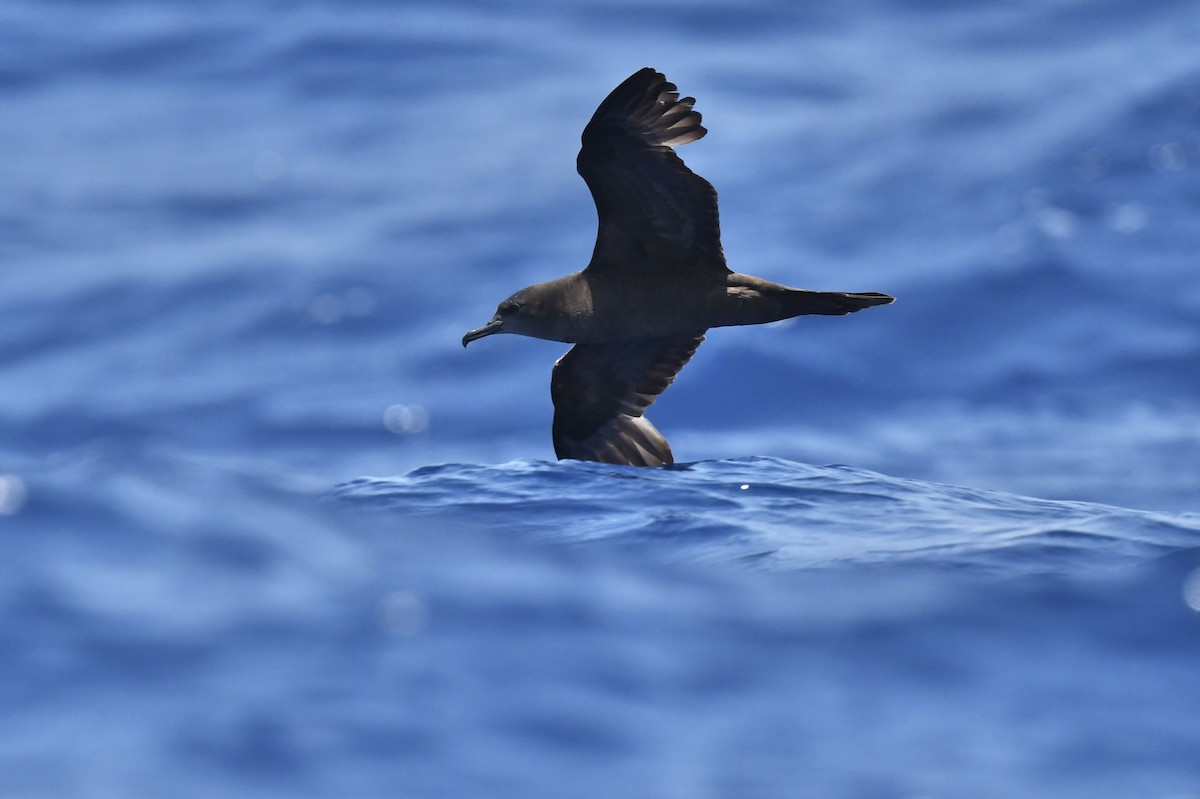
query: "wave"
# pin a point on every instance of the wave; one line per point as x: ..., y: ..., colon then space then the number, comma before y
x: 782, y: 514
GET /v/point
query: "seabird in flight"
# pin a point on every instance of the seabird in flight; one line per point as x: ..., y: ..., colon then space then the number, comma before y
x: 656, y: 282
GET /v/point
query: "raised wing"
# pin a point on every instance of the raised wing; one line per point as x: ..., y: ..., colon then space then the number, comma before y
x: 601, y: 390
x: 654, y: 211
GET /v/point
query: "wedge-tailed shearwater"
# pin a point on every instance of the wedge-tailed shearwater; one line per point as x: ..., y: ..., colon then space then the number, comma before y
x: 656, y: 282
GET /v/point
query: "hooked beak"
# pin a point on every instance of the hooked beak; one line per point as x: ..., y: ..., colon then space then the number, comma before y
x: 494, y: 326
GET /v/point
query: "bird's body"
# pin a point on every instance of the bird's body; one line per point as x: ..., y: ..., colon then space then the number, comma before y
x: 590, y: 308
x: 656, y: 282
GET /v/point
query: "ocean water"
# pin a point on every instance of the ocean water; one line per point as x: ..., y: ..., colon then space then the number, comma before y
x: 266, y: 529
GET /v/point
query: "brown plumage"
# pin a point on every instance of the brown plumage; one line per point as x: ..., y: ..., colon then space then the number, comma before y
x: 656, y: 282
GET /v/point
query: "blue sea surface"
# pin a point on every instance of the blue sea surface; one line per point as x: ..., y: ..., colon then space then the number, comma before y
x: 267, y: 530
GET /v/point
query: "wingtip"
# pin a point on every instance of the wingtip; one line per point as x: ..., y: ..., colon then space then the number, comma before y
x: 648, y: 106
x: 624, y: 441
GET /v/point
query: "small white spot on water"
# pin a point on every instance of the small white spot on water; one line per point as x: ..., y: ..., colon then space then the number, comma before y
x: 744, y: 487
x: 1050, y: 219
x: 329, y: 309
x: 406, y: 419
x: 1127, y: 217
x: 403, y: 614
x: 1167, y: 157
x: 12, y: 494
x: 1056, y: 222
x: 1191, y: 590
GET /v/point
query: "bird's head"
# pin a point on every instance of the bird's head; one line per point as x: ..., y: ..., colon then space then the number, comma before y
x: 517, y: 314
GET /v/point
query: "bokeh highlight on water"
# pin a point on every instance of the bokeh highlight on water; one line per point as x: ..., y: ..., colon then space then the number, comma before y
x: 268, y: 530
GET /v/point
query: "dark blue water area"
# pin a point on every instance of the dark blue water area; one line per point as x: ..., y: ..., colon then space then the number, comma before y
x: 266, y: 529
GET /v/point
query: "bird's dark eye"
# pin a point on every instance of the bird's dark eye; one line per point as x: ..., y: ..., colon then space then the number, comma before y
x: 509, y: 307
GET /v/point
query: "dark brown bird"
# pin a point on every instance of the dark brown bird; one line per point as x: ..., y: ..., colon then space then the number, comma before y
x: 656, y: 282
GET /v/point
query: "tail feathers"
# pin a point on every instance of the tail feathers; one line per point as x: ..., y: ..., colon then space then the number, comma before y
x: 754, y: 301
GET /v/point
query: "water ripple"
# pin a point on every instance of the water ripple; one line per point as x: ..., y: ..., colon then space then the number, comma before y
x: 780, y: 513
